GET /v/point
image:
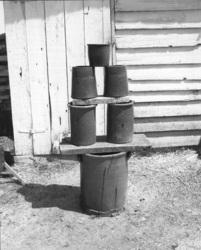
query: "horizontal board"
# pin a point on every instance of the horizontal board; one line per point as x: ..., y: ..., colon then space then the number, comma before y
x: 174, y: 139
x: 147, y: 5
x: 3, y: 58
x: 3, y: 79
x: 166, y: 96
x: 3, y: 67
x: 157, y: 38
x: 154, y: 56
x: 151, y: 86
x: 4, y: 87
x: 158, y: 20
x: 167, y: 124
x: 3, y: 97
x: 164, y: 72
x: 167, y: 109
x: 101, y: 146
x: 4, y: 73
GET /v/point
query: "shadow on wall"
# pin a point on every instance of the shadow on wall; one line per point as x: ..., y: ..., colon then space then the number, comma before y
x: 61, y: 196
x: 50, y: 8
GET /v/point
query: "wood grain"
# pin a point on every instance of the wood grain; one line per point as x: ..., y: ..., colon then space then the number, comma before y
x: 38, y: 74
x: 153, y: 86
x: 57, y: 71
x: 102, y: 146
x: 147, y: 5
x: 157, y: 38
x: 159, y: 56
x: 167, y: 109
x: 18, y: 75
x: 158, y: 19
x: 164, y: 72
x: 186, y: 123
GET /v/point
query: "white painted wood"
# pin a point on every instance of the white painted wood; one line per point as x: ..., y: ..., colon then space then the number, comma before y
x: 75, y: 45
x: 74, y: 37
x: 18, y: 75
x: 157, y: 38
x: 153, y: 86
x: 36, y: 40
x: 174, y: 139
x: 107, y: 26
x: 147, y: 5
x: 166, y: 72
x: 112, y: 11
x: 57, y: 71
x: 167, y: 124
x: 166, y: 96
x: 93, y: 14
x: 107, y: 32
x: 158, y: 19
x: 159, y: 56
x: 2, y: 23
x: 166, y: 109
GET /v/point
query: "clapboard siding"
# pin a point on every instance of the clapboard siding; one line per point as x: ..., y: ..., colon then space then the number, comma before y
x: 158, y: 20
x: 152, y: 56
x: 145, y: 125
x: 155, y: 5
x: 153, y: 86
x: 166, y: 109
x: 166, y: 96
x: 45, y: 40
x: 164, y: 72
x: 159, y: 42
x: 157, y: 38
x: 174, y: 139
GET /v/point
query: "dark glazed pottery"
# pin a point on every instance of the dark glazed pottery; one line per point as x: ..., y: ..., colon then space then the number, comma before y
x: 103, y: 183
x: 83, y: 83
x: 83, y: 125
x: 116, y: 81
x: 120, y: 121
x: 99, y: 54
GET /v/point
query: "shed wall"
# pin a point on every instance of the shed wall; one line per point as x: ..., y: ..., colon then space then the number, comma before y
x: 45, y: 39
x: 159, y: 42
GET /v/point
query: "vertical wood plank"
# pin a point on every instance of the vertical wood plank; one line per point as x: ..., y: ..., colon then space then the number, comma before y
x: 18, y: 75
x: 93, y: 14
x: 36, y: 40
x: 112, y: 13
x: 107, y: 38
x: 74, y: 25
x: 74, y: 37
x: 56, y: 54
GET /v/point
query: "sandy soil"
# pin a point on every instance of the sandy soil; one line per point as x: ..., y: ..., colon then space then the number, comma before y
x: 163, y: 209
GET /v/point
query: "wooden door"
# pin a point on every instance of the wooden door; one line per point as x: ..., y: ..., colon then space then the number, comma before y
x: 45, y: 39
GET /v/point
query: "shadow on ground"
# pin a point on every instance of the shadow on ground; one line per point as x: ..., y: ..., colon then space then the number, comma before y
x: 61, y: 196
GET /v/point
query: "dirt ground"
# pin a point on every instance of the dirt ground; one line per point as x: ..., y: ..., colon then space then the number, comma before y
x: 163, y: 209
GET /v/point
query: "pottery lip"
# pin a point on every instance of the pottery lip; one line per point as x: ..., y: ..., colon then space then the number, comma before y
x: 107, y: 155
x: 98, y: 44
x: 121, y: 104
x: 115, y: 66
x: 81, y: 106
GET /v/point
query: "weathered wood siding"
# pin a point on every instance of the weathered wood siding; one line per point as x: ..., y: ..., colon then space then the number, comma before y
x: 45, y: 39
x: 160, y: 42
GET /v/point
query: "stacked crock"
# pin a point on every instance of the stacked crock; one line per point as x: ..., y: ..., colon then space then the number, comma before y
x: 103, y: 175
